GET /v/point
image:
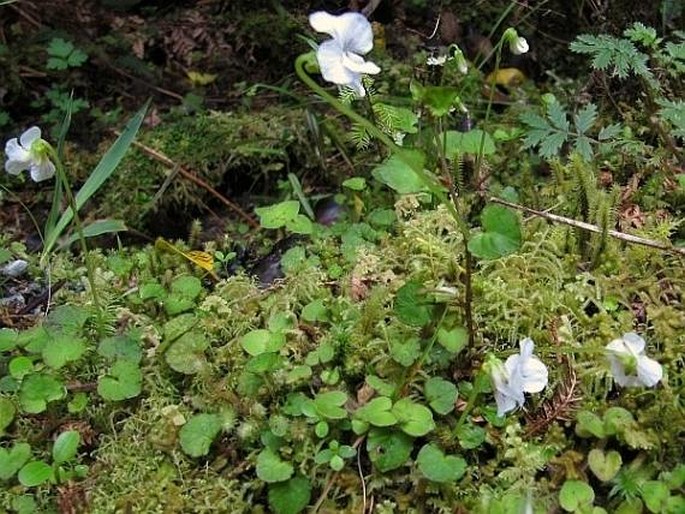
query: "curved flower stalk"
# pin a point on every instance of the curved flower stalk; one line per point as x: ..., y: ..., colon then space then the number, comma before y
x: 629, y: 364
x: 340, y: 59
x: 522, y: 373
x: 29, y: 152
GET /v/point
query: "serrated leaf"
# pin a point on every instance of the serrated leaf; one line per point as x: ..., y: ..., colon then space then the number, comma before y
x: 412, y: 305
x: 37, y: 389
x: 377, y: 412
x: 187, y: 353
x: 585, y: 118
x: 328, y: 405
x: 550, y: 146
x: 557, y: 116
x: 583, y: 147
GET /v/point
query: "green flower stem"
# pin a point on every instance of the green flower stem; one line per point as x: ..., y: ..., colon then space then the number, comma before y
x: 470, y: 404
x: 61, y: 173
x: 433, y: 188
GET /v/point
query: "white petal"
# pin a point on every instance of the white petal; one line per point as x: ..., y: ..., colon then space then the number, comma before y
x: 358, y: 87
x: 527, y: 346
x: 15, y: 152
x: 28, y: 137
x: 619, y: 373
x: 356, y: 34
x: 505, y: 403
x: 41, y: 170
x: 330, y: 58
x: 352, y: 29
x: 357, y: 64
x: 649, y: 371
x: 16, y: 167
x: 534, y: 375
x: 618, y: 346
x: 634, y: 342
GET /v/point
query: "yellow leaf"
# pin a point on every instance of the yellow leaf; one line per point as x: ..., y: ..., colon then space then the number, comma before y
x: 201, y: 79
x: 508, y: 77
x: 200, y: 259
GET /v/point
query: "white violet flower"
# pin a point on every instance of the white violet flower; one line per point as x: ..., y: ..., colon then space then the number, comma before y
x: 29, y: 152
x: 522, y: 373
x: 340, y: 59
x: 629, y: 364
x: 517, y: 44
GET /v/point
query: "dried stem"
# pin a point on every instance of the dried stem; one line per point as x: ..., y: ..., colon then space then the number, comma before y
x: 591, y: 228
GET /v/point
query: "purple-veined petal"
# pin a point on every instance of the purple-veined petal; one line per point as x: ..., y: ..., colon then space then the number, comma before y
x: 352, y: 30
x: 42, y: 169
x: 505, y: 403
x: 29, y: 136
x: 16, y: 152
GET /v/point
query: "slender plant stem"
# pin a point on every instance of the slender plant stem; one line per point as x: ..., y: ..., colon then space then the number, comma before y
x: 79, y: 230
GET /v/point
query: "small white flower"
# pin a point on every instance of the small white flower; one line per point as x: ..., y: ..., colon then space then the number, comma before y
x: 517, y: 44
x: 440, y: 60
x: 340, y: 59
x: 629, y: 364
x: 522, y: 373
x: 29, y: 152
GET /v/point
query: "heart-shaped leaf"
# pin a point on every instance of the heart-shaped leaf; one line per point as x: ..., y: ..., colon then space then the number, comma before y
x: 437, y: 466
x: 398, y: 175
x: 604, y: 466
x: 377, y: 412
x: 37, y: 389
x: 198, y: 434
x: 12, y: 460
x: 388, y: 449
x: 271, y: 468
x: 441, y: 394
x: 414, y: 419
x: 575, y: 494
x: 187, y: 353
x: 501, y: 233
x: 291, y: 496
x: 124, y: 381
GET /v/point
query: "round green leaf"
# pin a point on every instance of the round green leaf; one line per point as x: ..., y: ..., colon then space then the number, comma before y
x: 377, y: 412
x: 121, y: 347
x: 63, y: 349
x: 21, y: 366
x: 453, y: 340
x: 501, y: 233
x: 411, y: 305
x: 291, y: 496
x: 276, y: 216
x: 575, y: 494
x: 123, y: 382
x: 12, y: 460
x: 187, y: 354
x: 271, y: 468
x: 414, y: 419
x: 37, y: 389
x: 388, y: 449
x: 66, y: 446
x: 261, y: 341
x: 35, y: 473
x: 400, y: 176
x: 437, y: 466
x: 7, y: 412
x: 198, y: 434
x: 656, y: 494
x: 441, y: 394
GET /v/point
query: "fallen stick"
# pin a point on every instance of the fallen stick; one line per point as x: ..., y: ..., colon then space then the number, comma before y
x: 591, y: 228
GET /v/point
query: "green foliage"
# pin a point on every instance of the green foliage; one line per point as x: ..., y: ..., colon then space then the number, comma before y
x: 63, y: 55
x: 122, y: 382
x: 395, y: 173
x: 291, y: 496
x: 285, y: 214
x: 551, y: 131
x: 576, y: 496
x: 438, y: 467
x: 198, y: 434
x: 271, y: 468
x: 501, y: 233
